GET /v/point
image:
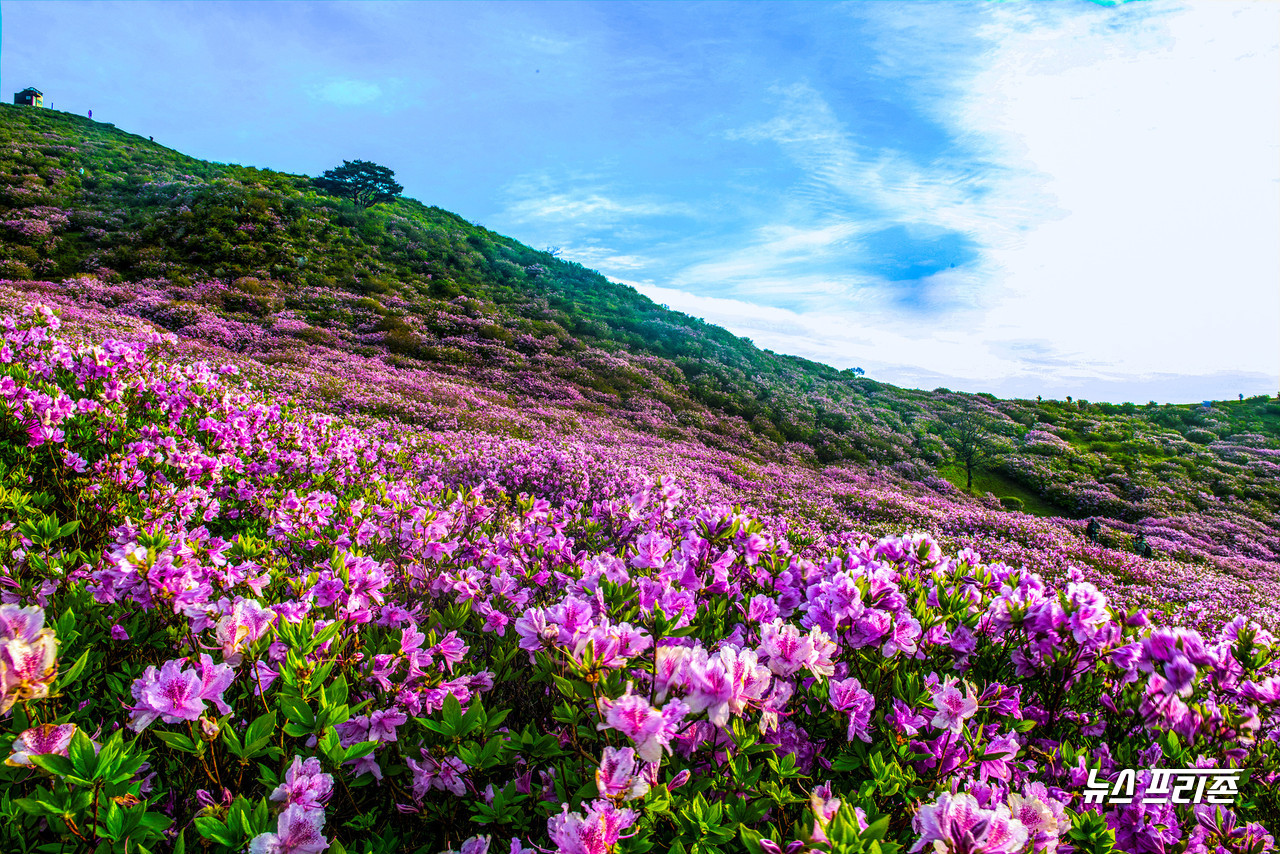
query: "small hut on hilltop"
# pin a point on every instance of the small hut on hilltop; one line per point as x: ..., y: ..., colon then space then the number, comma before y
x: 29, y: 97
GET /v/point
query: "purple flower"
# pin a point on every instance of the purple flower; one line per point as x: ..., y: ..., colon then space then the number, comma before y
x: 383, y: 723
x: 297, y: 832
x: 650, y: 729
x: 848, y: 695
x: 651, y: 551
x: 872, y: 625
x: 619, y: 775
x: 244, y: 623
x: 904, y: 638
x: 1002, y: 750
x: 726, y: 683
x: 305, y: 785
x: 1088, y: 610
x: 1038, y: 817
x: 176, y: 693
x: 904, y: 720
x: 593, y: 833
x: 789, y: 651
x: 28, y: 655
x: 432, y: 773
x: 956, y: 824
x: 39, y: 740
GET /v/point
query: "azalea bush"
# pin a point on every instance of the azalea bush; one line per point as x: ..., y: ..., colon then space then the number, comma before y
x: 232, y: 623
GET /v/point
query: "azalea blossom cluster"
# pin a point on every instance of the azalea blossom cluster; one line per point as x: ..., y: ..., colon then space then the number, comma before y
x: 388, y: 630
x: 303, y: 795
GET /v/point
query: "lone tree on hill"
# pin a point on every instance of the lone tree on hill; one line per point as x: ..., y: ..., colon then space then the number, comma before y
x: 971, y: 435
x: 362, y: 182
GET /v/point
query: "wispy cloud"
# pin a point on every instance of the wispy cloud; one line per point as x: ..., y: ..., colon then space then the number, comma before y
x: 588, y: 199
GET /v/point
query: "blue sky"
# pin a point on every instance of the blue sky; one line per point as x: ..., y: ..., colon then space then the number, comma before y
x: 1024, y: 198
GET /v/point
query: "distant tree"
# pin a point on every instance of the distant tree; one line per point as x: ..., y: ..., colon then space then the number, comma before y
x: 362, y: 182
x: 973, y: 438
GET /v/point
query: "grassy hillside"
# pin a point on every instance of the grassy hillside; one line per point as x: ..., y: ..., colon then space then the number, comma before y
x: 260, y: 263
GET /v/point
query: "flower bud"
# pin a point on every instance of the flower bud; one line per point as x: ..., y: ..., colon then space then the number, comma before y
x: 209, y: 728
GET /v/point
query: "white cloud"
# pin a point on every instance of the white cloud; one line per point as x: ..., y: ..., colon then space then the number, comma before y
x: 1125, y: 196
x: 954, y: 359
x: 1161, y: 140
x: 586, y: 200
x: 603, y: 257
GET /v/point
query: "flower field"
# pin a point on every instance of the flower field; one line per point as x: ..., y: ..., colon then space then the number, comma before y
x: 235, y: 623
x: 292, y: 565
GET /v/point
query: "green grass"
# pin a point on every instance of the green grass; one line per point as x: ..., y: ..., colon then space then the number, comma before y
x: 1001, y: 487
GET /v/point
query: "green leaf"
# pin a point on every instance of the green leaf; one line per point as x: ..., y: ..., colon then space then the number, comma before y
x: 329, y: 633
x: 452, y: 712
x: 259, y: 733
x: 355, y: 751
x: 82, y: 755
x: 112, y: 825
x: 53, y: 763
x: 211, y: 828
x: 73, y: 674
x: 176, y: 740
x: 298, y: 711
x: 232, y: 740
x: 34, y: 806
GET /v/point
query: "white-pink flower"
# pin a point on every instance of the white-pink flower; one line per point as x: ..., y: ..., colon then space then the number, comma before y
x: 297, y: 832
x: 953, y: 707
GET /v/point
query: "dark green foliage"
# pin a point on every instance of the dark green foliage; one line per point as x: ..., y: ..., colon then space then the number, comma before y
x: 362, y: 182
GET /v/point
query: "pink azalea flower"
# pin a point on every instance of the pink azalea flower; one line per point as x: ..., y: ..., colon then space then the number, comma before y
x: 297, y: 832
x: 651, y: 551
x: 39, y: 740
x: 176, y: 693
x: 788, y: 651
x: 725, y: 683
x: 593, y: 833
x: 383, y: 723
x: 304, y: 784
x: 619, y: 774
x: 432, y: 773
x: 245, y: 623
x: 1004, y: 748
x: 904, y: 638
x: 848, y: 695
x: 28, y: 655
x: 651, y: 730
x: 956, y: 824
x: 953, y: 707
x: 904, y: 719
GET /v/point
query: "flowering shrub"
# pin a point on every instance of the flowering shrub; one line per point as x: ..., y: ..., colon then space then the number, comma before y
x: 234, y: 623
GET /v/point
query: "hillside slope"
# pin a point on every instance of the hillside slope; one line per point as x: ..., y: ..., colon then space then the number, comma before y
x: 259, y: 263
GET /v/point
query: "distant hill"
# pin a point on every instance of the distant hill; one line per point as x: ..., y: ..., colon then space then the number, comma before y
x: 260, y: 263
